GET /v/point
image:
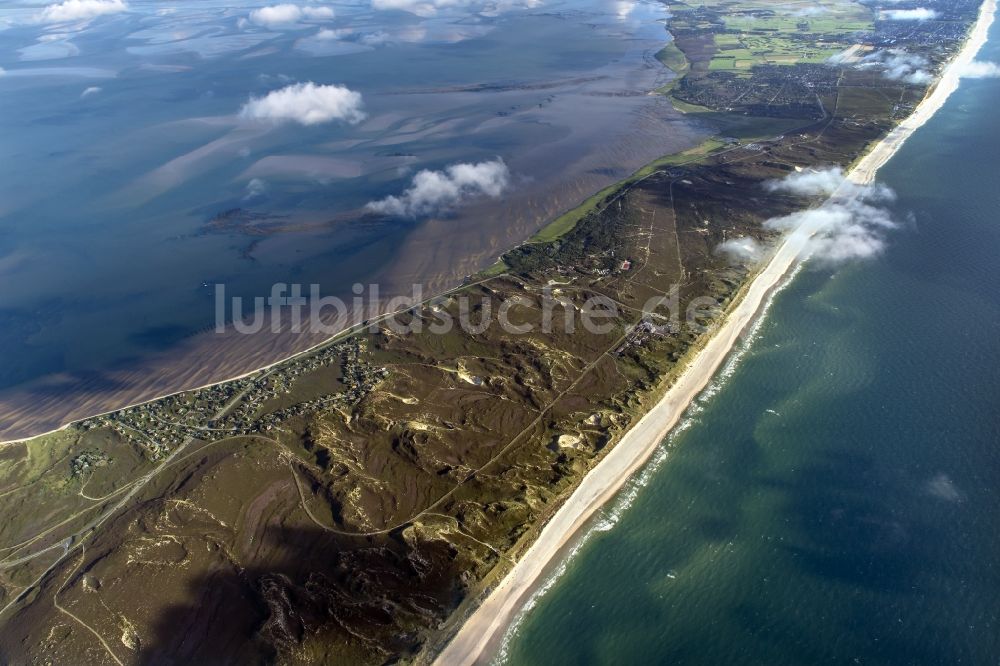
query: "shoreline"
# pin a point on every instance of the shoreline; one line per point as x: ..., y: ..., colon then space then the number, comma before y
x: 348, y: 331
x: 481, y: 633
x: 39, y: 402
x: 16, y: 435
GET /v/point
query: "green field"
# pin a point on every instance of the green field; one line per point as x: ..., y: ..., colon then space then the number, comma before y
x: 673, y: 58
x: 568, y: 220
x: 758, y: 33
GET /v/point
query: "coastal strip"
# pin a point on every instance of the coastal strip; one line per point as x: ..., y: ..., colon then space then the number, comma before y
x: 481, y: 634
x: 866, y: 168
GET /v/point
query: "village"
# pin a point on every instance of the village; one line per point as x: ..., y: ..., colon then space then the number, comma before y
x: 238, y: 407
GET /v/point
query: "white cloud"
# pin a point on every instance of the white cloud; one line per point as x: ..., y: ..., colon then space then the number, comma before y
x: 898, y: 65
x: 276, y: 16
x: 2, y: 71
x: 434, y: 192
x: 919, y: 77
x: 978, y: 69
x: 274, y: 79
x: 92, y: 90
x: 841, y: 58
x: 256, y: 189
x: 809, y: 183
x: 306, y: 104
x: 852, y: 220
x: 318, y: 12
x: 80, y: 10
x: 920, y: 14
x: 740, y: 250
x: 326, y: 34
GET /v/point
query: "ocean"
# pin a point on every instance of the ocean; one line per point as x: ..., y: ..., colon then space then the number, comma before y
x: 832, y: 498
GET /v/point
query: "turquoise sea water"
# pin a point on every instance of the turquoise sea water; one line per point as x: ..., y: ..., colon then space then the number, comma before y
x: 836, y: 500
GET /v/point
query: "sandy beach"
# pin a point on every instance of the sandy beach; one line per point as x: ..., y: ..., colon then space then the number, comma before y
x: 482, y: 633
